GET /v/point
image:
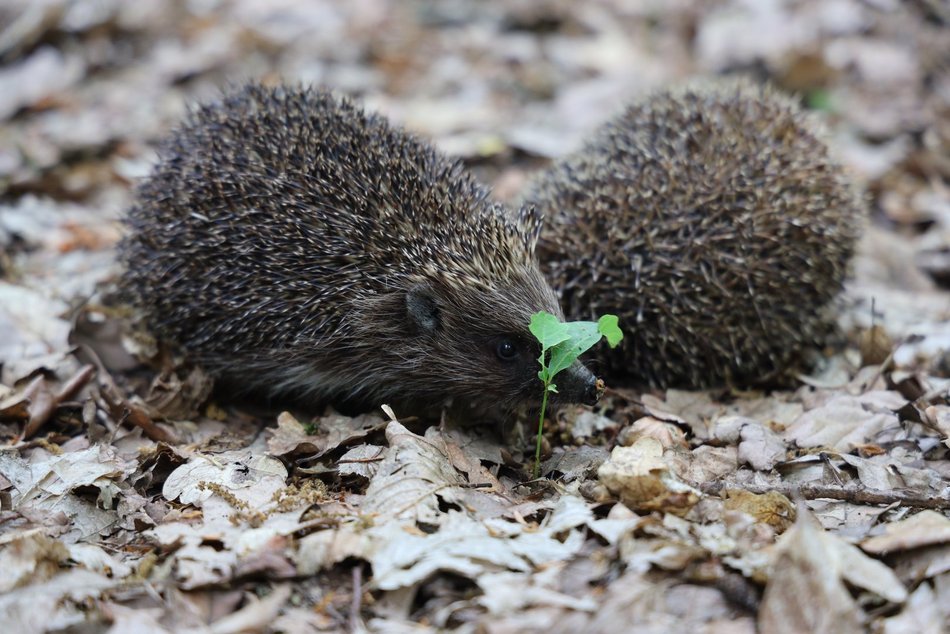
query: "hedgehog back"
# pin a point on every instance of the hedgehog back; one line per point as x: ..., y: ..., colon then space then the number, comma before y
x: 712, y: 220
x: 275, y: 212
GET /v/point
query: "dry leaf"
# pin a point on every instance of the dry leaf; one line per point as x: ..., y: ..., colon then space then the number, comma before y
x: 465, y: 547
x: 253, y: 479
x: 760, y: 447
x: 29, y: 557
x: 330, y: 432
x: 511, y: 592
x: 770, y: 508
x: 842, y: 424
x: 806, y: 593
x: 642, y: 479
x: 667, y: 434
x: 922, y: 614
x: 412, y: 472
x: 927, y: 528
x: 362, y: 460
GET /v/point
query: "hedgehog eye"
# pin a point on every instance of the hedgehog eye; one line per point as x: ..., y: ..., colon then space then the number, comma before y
x: 506, y: 350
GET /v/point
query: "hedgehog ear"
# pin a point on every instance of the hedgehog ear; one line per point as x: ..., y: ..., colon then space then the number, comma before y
x: 422, y: 309
x: 530, y: 220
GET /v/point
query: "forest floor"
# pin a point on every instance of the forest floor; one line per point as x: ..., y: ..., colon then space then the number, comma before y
x: 130, y: 501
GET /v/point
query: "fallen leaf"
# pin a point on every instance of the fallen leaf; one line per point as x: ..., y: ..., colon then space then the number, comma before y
x: 253, y: 479
x: 511, y: 592
x: 28, y: 557
x: 842, y: 424
x: 412, y: 472
x: 642, y: 479
x: 927, y: 528
x: 806, y: 591
x: 770, y: 508
x: 465, y: 547
x: 922, y: 614
x: 330, y: 432
x: 760, y: 447
x: 362, y: 460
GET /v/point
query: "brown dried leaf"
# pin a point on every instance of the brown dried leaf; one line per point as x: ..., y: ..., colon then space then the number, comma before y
x: 588, y: 424
x: 843, y: 423
x: 876, y: 346
x: 321, y: 550
x: 43, y: 74
x: 511, y: 592
x: 760, y: 447
x: 172, y: 397
x: 412, y: 472
x: 806, y: 593
x: 927, y: 528
x: 31, y: 327
x: 667, y: 434
x: 924, y: 613
x: 28, y: 557
x: 256, y: 616
x: 53, y: 604
x: 575, y: 462
x: 770, y: 508
x: 643, y: 480
x: 331, y: 431
x: 362, y: 460
x: 467, y: 547
x: 251, y: 478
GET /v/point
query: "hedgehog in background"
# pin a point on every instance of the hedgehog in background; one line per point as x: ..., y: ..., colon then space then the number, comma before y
x: 711, y: 219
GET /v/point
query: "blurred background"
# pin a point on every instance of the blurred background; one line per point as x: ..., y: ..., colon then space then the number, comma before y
x: 88, y: 86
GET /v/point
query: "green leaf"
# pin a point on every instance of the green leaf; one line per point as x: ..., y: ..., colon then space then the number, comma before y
x: 566, y: 342
x: 584, y: 335
x: 548, y: 329
x: 560, y: 358
x: 607, y: 326
x: 820, y: 99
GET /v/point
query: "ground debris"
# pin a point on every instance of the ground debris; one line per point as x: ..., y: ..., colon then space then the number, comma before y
x: 133, y: 498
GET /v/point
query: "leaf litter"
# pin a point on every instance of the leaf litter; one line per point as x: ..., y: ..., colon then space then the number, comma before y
x: 132, y: 499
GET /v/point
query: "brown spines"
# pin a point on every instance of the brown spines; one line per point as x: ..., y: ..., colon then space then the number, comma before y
x: 291, y: 242
x: 712, y: 221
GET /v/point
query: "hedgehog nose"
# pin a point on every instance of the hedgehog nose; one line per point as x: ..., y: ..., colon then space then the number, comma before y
x: 581, y: 386
x: 592, y: 391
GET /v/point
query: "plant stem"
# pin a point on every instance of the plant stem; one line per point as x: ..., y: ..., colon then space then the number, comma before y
x: 537, y: 450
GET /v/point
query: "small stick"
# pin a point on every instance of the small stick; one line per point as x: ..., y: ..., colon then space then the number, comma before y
x: 43, y: 404
x: 853, y: 495
x: 123, y: 411
x: 355, y: 623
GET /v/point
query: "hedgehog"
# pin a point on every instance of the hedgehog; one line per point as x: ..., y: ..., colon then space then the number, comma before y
x: 299, y: 248
x: 710, y: 218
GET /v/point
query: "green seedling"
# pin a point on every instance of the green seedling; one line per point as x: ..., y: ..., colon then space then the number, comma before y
x: 561, y: 344
x: 820, y: 99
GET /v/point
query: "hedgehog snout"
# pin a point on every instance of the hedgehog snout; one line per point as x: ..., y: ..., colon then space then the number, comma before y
x: 579, y: 385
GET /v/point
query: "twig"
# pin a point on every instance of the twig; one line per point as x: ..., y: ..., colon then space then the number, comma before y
x: 43, y: 404
x: 853, y: 495
x: 888, y: 360
x: 931, y: 395
x: 123, y: 411
x: 356, y: 624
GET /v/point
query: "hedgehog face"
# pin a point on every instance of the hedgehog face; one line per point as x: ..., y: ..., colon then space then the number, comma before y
x: 474, y: 344
x: 513, y: 359
x: 516, y: 361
